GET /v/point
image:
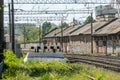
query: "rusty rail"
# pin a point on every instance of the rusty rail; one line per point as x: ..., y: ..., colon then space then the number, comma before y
x: 108, y: 62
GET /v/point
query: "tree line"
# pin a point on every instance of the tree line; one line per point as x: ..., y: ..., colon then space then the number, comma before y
x: 34, y: 34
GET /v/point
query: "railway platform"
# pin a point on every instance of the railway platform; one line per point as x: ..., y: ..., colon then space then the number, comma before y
x: 45, y: 56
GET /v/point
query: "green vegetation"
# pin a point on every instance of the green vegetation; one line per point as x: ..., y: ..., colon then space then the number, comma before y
x: 46, y: 27
x: 64, y: 25
x: 2, y: 7
x: 88, y: 20
x: 16, y: 69
x: 30, y: 33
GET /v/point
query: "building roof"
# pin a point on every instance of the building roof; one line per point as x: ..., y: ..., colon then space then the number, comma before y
x: 112, y: 28
x: 99, y: 28
x: 66, y: 32
x: 52, y: 33
x: 95, y: 26
x: 86, y: 29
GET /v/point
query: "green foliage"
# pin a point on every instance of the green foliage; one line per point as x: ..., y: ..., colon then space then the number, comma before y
x: 10, y: 63
x: 88, y: 20
x: 2, y: 6
x: 10, y: 58
x: 35, y: 70
x: 46, y: 27
x: 30, y: 33
x: 64, y: 25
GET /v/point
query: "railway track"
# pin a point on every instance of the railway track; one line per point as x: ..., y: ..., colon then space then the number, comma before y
x: 108, y: 62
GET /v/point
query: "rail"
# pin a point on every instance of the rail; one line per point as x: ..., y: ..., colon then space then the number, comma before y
x: 108, y: 62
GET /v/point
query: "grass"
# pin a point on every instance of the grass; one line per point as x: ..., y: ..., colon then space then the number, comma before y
x: 16, y: 69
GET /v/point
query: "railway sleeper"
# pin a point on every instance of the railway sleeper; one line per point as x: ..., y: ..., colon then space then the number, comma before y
x: 115, y: 61
x: 107, y: 66
x: 100, y: 61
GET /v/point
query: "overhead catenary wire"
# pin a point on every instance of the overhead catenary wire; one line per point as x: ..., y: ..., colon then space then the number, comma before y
x: 62, y: 2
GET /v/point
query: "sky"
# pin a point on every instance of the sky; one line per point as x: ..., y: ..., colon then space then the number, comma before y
x: 79, y: 17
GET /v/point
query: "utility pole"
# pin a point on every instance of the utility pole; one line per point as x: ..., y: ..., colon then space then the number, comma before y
x: 24, y: 36
x: 13, y: 29
x: 118, y: 8
x: 9, y: 6
x: 1, y: 29
x: 91, y: 32
x: 62, y: 34
x: 39, y: 34
x: 62, y: 18
x: 42, y: 35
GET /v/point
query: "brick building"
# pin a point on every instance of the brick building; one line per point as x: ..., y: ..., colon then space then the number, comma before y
x: 107, y: 38
x: 77, y: 38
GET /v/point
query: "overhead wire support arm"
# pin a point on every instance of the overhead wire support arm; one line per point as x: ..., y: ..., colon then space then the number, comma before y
x: 35, y: 18
x: 50, y: 12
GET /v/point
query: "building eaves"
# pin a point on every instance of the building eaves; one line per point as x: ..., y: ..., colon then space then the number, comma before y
x: 67, y: 31
x: 55, y: 32
x: 96, y: 25
x: 112, y: 28
x: 52, y: 33
x: 86, y: 29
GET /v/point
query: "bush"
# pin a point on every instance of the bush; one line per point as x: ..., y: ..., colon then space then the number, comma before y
x: 16, y: 69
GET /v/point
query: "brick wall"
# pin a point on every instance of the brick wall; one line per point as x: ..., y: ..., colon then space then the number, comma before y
x: 112, y: 44
x: 80, y: 43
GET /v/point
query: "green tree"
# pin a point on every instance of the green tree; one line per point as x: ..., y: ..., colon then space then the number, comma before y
x: 46, y: 27
x: 88, y: 20
x: 64, y: 25
x: 29, y: 33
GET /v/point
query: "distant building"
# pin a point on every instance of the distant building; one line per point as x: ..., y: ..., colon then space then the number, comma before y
x: 77, y: 38
x: 105, y: 13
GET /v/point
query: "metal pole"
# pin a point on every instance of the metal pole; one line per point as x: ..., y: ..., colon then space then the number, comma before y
x: 91, y: 33
x: 9, y: 21
x: 62, y: 34
x: 24, y: 36
x: 42, y: 37
x: 118, y: 9
x: 39, y: 34
x: 13, y: 29
x: 1, y: 29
